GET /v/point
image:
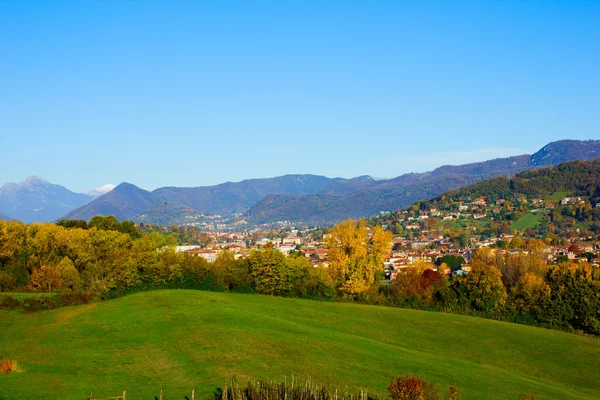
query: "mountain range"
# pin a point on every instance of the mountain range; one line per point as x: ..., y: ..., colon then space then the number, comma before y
x: 34, y: 199
x: 297, y: 198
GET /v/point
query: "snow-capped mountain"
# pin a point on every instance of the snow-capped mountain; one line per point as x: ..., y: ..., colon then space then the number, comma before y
x: 99, y: 191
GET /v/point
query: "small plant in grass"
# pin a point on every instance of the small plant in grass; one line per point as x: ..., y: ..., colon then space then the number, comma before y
x: 453, y: 393
x: 531, y: 396
x: 412, y: 388
x: 7, y: 366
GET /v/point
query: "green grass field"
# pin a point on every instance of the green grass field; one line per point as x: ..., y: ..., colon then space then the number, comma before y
x: 24, y: 295
x: 178, y: 340
x: 528, y: 220
x: 557, y: 196
x: 463, y: 223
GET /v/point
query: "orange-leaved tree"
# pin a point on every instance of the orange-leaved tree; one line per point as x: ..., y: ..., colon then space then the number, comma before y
x: 45, y: 278
x: 412, y: 388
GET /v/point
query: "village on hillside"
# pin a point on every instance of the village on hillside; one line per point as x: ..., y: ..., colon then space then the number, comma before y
x: 425, y: 235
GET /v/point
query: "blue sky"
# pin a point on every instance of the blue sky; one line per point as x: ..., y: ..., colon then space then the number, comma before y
x: 198, y: 93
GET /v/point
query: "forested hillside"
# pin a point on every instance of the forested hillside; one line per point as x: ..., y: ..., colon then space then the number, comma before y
x: 560, y: 202
x: 579, y: 177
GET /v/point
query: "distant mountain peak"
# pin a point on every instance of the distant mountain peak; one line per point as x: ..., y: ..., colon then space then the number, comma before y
x: 35, y: 199
x: 125, y: 201
x: 99, y: 191
x: 34, y: 179
x: 128, y: 186
x: 565, y: 150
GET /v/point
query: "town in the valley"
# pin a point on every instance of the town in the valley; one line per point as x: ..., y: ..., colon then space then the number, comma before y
x: 420, y: 235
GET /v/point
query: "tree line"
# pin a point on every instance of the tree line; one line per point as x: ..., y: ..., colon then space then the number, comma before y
x: 107, y: 257
x: 104, y: 261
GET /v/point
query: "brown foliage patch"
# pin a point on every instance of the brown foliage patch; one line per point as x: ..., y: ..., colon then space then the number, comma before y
x: 7, y: 366
x: 412, y: 388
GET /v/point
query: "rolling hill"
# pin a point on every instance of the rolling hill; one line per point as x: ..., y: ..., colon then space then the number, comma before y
x: 165, y: 213
x: 178, y: 340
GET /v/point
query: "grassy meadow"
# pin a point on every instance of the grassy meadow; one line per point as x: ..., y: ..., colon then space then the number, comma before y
x: 178, y: 340
x: 25, y: 295
x: 529, y: 220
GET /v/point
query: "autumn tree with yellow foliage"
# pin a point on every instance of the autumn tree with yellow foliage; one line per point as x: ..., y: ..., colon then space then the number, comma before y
x: 355, y: 255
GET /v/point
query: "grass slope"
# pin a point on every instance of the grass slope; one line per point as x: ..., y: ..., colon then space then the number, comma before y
x: 528, y: 220
x: 178, y: 340
x: 24, y: 295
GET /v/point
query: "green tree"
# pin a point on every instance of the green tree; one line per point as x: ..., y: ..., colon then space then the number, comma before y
x: 269, y: 272
x: 484, y: 283
x: 68, y: 275
x: 452, y: 261
x: 575, y: 297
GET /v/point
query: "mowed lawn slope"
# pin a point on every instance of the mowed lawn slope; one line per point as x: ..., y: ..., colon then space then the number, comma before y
x: 178, y: 340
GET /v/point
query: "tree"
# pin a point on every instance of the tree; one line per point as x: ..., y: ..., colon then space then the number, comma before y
x: 68, y: 275
x: 108, y: 223
x: 7, y: 281
x: 299, y: 269
x: 225, y: 259
x: 452, y: 261
x: 412, y: 388
x: 516, y: 243
x: 45, y: 279
x: 575, y: 296
x: 269, y: 272
x: 354, y: 256
x: 531, y: 295
x: 413, y: 282
x: 484, y: 283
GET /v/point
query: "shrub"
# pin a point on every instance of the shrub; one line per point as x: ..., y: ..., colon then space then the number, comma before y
x: 7, y: 366
x: 453, y: 393
x: 412, y: 388
x: 244, y: 289
x: 9, y: 303
x: 531, y: 396
x: 32, y: 304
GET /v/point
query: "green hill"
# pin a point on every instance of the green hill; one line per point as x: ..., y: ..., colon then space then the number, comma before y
x: 178, y: 340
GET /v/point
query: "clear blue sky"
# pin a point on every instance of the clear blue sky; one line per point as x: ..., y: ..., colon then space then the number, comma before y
x: 197, y: 93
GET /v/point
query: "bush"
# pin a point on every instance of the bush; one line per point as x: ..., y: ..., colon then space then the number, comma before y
x: 412, y: 388
x: 75, y: 298
x: 453, y: 393
x: 32, y: 304
x: 244, y: 289
x: 531, y: 396
x: 9, y: 303
x: 7, y: 366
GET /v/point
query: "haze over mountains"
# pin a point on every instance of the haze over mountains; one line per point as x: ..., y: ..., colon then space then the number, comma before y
x: 299, y: 198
